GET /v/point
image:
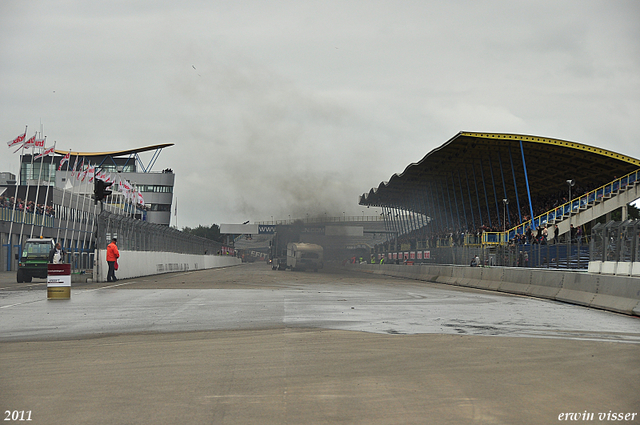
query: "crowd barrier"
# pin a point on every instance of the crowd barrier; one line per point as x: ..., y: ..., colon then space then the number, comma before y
x: 145, y: 263
x: 620, y: 294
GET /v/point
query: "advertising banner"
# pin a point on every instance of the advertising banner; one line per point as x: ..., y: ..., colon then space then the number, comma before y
x: 58, y: 281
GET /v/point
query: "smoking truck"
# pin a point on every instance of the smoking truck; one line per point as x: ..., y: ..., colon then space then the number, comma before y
x: 305, y: 256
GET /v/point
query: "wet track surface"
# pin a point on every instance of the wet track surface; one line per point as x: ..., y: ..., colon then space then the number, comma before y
x: 255, y: 297
x: 247, y: 344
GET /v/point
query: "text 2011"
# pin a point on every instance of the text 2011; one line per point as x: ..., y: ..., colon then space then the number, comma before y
x: 17, y: 415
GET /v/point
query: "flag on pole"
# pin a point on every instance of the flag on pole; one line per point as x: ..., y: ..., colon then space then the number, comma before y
x: 73, y: 169
x: 125, y: 185
x: 85, y: 172
x: 80, y: 170
x: 91, y: 172
x: 29, y: 143
x: 17, y: 140
x: 64, y: 159
x: 39, y: 143
x: 140, y: 199
x: 47, y: 152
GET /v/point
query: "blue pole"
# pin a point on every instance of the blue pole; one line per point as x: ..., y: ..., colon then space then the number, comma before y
x: 515, y: 186
x: 526, y: 179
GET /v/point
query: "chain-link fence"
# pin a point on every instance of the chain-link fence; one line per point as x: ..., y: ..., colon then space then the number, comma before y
x: 561, y: 256
x: 616, y: 241
x: 136, y: 235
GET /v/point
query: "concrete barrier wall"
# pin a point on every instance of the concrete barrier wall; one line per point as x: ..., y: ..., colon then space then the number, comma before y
x: 146, y: 263
x: 608, y: 292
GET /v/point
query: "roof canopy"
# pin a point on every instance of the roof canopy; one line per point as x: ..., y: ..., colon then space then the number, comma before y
x: 115, y: 153
x: 475, y: 171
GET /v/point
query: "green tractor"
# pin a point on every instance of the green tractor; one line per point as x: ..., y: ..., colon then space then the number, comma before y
x: 34, y: 259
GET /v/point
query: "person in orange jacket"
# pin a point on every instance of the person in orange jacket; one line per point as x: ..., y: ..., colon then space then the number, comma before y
x: 112, y: 256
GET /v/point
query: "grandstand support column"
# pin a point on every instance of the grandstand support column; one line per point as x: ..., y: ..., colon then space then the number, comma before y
x: 475, y: 182
x: 435, y: 217
x: 515, y: 185
x: 484, y: 186
x: 473, y: 219
x: 504, y: 187
x: 526, y: 181
x: 407, y: 219
x: 495, y: 192
x: 414, y: 207
x: 446, y: 189
x: 429, y: 208
x: 444, y: 205
x: 423, y: 218
x: 402, y: 219
x: 455, y: 199
x: 625, y: 212
x: 464, y: 210
x: 396, y: 224
x: 417, y: 209
x: 395, y: 221
x: 442, y: 212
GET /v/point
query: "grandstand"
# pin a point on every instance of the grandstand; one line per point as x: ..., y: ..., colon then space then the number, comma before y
x: 480, y: 189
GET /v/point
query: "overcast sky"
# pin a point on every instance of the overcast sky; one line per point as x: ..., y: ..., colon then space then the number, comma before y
x: 281, y: 108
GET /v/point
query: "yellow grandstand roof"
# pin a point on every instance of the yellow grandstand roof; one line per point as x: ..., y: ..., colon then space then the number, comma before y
x: 481, y: 168
x: 116, y: 153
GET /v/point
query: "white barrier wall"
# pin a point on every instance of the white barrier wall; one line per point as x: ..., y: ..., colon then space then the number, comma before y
x: 146, y: 263
x: 609, y: 292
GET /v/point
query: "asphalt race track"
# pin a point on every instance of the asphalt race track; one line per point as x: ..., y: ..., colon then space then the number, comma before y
x: 248, y: 344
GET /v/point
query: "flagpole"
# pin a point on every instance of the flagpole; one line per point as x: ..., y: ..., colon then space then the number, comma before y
x: 46, y: 196
x: 86, y: 223
x: 35, y: 203
x: 73, y: 231
x: 86, y: 226
x: 94, y: 215
x: 73, y: 187
x: 15, y: 195
x: 26, y: 196
x: 70, y: 212
x: 63, y: 193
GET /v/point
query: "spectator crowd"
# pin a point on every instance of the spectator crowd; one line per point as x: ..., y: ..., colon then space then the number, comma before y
x: 29, y: 206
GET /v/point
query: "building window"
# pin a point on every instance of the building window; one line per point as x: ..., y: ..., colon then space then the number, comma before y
x: 160, y: 207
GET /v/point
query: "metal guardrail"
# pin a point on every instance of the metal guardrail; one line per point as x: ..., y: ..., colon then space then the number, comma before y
x: 6, y: 214
x: 578, y: 204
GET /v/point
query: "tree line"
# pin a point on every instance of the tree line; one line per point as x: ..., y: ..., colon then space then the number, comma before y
x: 212, y: 232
